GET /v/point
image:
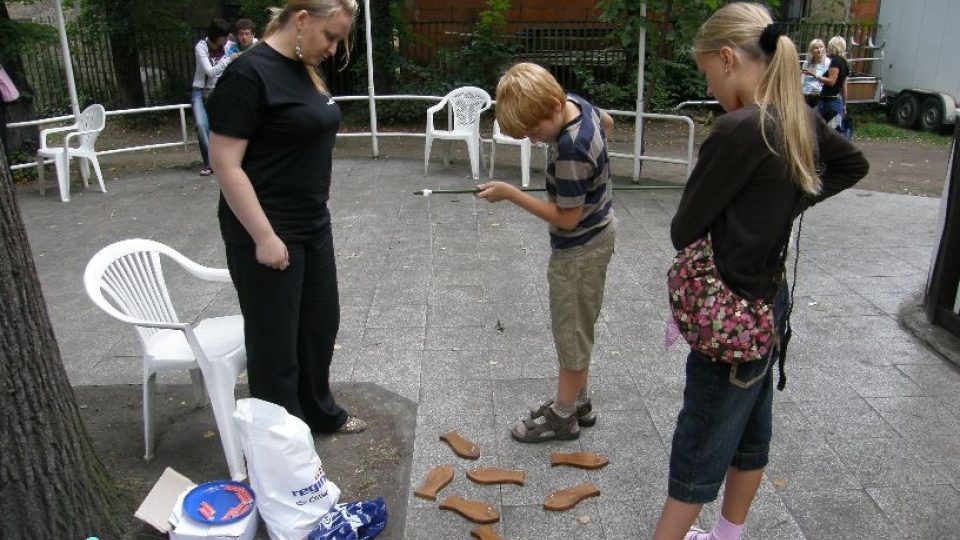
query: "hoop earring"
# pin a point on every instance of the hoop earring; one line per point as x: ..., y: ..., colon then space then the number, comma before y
x: 297, y: 49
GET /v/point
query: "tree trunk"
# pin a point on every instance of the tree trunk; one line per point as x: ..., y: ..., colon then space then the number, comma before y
x: 383, y: 50
x: 52, y: 484
x: 125, y: 53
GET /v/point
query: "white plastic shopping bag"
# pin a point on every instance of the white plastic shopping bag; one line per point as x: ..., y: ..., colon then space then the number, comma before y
x: 293, y: 492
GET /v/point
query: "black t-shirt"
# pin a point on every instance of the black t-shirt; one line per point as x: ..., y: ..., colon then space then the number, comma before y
x: 841, y: 64
x: 270, y: 100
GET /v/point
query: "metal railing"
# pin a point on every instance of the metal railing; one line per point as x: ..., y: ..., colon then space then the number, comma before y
x: 184, y: 142
x: 373, y: 134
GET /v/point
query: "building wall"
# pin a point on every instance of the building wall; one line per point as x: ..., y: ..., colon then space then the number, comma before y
x: 828, y: 10
x: 864, y: 11
x: 861, y: 11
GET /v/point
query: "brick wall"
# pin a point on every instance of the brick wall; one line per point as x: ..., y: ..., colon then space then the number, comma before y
x: 863, y: 10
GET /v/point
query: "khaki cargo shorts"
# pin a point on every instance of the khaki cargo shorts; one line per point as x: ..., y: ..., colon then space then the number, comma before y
x: 576, y: 294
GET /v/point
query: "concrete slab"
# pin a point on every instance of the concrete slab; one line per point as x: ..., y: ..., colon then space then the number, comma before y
x: 866, y: 431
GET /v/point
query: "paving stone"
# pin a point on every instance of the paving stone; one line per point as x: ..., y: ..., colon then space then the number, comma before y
x: 865, y: 435
x: 920, y: 511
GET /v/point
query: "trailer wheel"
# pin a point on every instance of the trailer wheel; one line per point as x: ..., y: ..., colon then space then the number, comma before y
x: 931, y: 115
x: 906, y: 111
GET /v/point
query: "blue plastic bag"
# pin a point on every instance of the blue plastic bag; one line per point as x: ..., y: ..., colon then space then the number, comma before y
x: 352, y: 521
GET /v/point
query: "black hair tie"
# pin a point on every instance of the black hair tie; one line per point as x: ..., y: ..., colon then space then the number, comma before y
x: 769, y: 37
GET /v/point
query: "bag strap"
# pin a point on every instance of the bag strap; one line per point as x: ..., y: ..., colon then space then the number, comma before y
x: 785, y: 340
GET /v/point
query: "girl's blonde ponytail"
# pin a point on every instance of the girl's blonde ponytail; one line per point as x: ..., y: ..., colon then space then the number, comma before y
x: 740, y: 26
x: 780, y: 90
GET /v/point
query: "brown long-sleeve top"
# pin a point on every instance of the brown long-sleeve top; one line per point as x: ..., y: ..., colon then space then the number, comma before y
x: 741, y: 193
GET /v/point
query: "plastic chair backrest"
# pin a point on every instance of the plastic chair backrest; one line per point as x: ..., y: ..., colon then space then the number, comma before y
x: 467, y: 102
x: 130, y: 274
x: 92, y: 118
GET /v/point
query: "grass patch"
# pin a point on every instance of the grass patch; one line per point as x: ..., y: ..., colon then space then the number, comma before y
x: 873, y: 130
x: 871, y: 122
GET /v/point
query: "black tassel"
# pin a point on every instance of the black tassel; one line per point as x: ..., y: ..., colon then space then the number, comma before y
x: 784, y: 341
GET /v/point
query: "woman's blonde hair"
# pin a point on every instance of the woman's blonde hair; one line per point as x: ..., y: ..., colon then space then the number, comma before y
x: 527, y: 94
x: 316, y: 8
x: 815, y: 43
x: 837, y: 46
x: 739, y: 26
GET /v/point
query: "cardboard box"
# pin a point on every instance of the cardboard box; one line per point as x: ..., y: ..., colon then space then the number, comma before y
x: 163, y: 510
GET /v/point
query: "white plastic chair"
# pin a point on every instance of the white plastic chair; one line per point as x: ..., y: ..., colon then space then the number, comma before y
x: 525, y: 149
x: 87, y: 129
x: 466, y: 104
x: 130, y: 274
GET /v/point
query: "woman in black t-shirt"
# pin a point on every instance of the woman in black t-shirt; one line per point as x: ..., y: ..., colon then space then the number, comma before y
x: 273, y: 126
x: 833, y: 96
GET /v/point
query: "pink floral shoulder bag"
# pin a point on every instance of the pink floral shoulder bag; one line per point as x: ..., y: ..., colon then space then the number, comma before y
x: 711, y: 317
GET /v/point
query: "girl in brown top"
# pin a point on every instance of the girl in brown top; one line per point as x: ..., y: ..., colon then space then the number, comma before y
x: 756, y: 172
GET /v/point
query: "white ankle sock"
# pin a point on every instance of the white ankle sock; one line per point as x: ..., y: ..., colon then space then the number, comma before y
x: 563, y: 410
x: 722, y: 530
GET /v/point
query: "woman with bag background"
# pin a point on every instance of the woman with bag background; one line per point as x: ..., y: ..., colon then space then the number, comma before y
x: 756, y: 172
x: 8, y: 94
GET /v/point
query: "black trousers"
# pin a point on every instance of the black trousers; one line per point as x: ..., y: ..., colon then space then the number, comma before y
x: 291, y: 318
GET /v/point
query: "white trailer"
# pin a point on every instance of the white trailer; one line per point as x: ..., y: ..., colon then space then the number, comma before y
x: 920, y: 69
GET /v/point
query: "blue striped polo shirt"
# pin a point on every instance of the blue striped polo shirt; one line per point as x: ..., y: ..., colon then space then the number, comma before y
x: 579, y: 176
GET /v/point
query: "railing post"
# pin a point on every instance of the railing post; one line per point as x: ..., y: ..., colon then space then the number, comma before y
x: 183, y: 129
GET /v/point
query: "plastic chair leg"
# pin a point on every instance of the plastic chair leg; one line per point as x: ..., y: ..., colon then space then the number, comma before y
x: 493, y: 156
x: 84, y: 167
x: 525, y: 163
x: 473, y: 147
x: 222, y: 401
x: 63, y: 176
x: 426, y: 154
x: 149, y: 428
x: 40, y: 174
x: 96, y: 168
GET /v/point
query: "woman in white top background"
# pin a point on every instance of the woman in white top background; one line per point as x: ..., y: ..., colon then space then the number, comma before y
x: 813, y: 68
x: 211, y: 61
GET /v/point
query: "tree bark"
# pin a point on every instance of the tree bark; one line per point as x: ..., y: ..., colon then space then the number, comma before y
x: 125, y: 53
x: 383, y: 50
x: 52, y: 484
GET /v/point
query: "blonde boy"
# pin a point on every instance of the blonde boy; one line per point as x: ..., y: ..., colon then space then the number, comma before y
x: 530, y: 103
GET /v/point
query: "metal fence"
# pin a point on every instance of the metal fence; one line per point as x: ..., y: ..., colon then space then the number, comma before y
x: 858, y: 37
x: 561, y: 47
x: 567, y: 49
x: 166, y: 69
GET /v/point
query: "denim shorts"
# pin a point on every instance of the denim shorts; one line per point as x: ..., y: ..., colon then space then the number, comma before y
x: 726, y: 420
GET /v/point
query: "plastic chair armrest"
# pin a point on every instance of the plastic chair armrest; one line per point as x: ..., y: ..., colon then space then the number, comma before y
x: 45, y: 132
x: 206, y: 273
x: 66, y: 140
x: 436, y: 108
x: 220, y: 275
